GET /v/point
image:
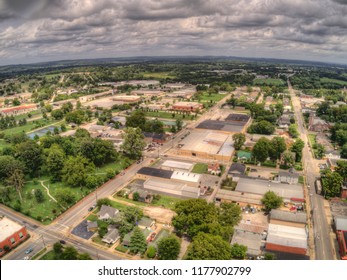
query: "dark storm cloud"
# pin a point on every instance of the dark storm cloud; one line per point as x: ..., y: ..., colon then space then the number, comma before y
x: 303, y: 28
x: 344, y: 2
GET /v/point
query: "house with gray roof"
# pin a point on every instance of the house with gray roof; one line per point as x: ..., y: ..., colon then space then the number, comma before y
x: 145, y: 223
x: 92, y: 226
x: 295, y: 219
x: 107, y: 213
x: 112, y: 235
x: 237, y: 169
x: 288, y: 177
x: 340, y: 223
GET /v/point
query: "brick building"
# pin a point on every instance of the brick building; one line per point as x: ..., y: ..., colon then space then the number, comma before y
x: 187, y: 106
x: 11, y: 234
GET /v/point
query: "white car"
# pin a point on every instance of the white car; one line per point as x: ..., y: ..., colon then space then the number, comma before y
x: 26, y: 258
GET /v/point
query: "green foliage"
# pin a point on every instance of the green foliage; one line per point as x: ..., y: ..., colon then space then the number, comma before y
x: 293, y: 131
x: 208, y: 247
x: 261, y: 127
x: 297, y: 149
x: 133, y: 214
x: 151, y: 252
x: 55, y: 161
x: 288, y: 158
x: 138, y: 242
x: 136, y: 119
x: 57, y: 248
x: 169, y: 248
x: 261, y: 149
x: 102, y: 231
x: 65, y: 196
x: 104, y: 201
x: 239, y: 140
x: 7, y: 165
x: 238, y: 251
x: 77, y: 117
x: 332, y: 182
x: 30, y: 153
x: 229, y: 214
x: 271, y: 201
x: 269, y: 256
x: 341, y: 168
x: 136, y: 196
x: 81, y: 133
x: 39, y: 196
x: 277, y: 147
x: 76, y: 170
x: 134, y: 142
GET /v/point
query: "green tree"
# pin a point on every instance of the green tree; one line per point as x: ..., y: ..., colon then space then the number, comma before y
x: 104, y: 201
x: 134, y: 142
x: 320, y: 151
x: 262, y: 127
x: 208, y: 247
x: 229, y: 214
x: 297, y: 149
x: 293, y: 132
x: 269, y: 256
x: 151, y: 252
x: 341, y: 168
x: 39, y: 196
x: 69, y: 253
x: 76, y: 170
x: 16, y: 179
x: 288, y: 158
x: 344, y: 151
x: 239, y: 140
x: 57, y: 248
x: 169, y: 248
x: 65, y: 196
x: 271, y: 201
x: 77, y: 117
x: 7, y: 165
x: 277, y: 147
x: 136, y: 119
x: 261, y: 149
x: 55, y: 162
x: 332, y: 183
x: 179, y: 124
x: 238, y: 251
x: 133, y: 214
x: 30, y: 153
x: 102, y: 231
x: 57, y: 114
x: 138, y: 242
x: 193, y: 216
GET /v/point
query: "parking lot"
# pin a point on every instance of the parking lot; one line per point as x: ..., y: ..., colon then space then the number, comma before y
x: 81, y: 230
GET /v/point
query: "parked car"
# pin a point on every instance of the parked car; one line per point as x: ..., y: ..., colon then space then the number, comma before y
x: 62, y: 241
x: 29, y: 250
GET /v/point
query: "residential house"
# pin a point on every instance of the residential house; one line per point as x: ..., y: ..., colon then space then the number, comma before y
x: 107, y: 213
x: 214, y: 168
x: 112, y: 235
x: 144, y: 196
x: 317, y: 124
x: 244, y: 156
x: 237, y: 169
x: 92, y: 226
x: 145, y: 223
x: 284, y: 121
x: 288, y: 177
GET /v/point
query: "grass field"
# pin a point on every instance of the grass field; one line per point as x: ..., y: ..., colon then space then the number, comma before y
x: 200, y: 168
x: 268, y: 82
x: 312, y: 139
x: 50, y: 255
x: 334, y: 81
x: 30, y: 126
x: 206, y: 97
x: 159, y: 75
x: 120, y: 164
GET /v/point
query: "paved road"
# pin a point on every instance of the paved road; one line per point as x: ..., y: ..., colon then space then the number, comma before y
x: 321, y: 229
x: 47, y: 235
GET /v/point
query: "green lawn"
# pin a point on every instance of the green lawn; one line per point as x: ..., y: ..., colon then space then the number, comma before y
x: 268, y: 82
x: 334, y: 81
x: 200, y: 168
x: 312, y: 139
x: 50, y: 255
x: 206, y: 97
x: 98, y: 240
x: 30, y: 126
x: 4, y: 144
x: 120, y: 164
x: 121, y: 248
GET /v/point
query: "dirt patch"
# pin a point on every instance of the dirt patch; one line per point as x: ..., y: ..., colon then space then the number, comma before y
x: 161, y: 215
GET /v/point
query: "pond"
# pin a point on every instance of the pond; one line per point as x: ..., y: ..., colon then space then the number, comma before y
x: 41, y: 132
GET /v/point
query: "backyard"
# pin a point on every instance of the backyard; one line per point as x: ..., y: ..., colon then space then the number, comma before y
x: 200, y: 168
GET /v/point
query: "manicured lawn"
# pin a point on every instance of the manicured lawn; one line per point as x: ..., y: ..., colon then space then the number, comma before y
x: 98, y: 240
x: 29, y: 126
x: 200, y: 168
x: 120, y: 164
x: 92, y: 217
x: 268, y: 82
x: 122, y: 248
x: 120, y: 206
x: 312, y: 139
x: 206, y: 97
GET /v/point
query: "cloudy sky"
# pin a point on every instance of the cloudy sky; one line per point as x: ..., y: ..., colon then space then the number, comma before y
x: 45, y: 30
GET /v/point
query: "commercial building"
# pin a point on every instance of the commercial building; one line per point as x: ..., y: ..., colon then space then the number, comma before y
x: 233, y: 123
x: 173, y: 188
x: 239, y: 198
x: 286, y: 218
x: 288, y: 177
x: 187, y: 106
x: 255, y: 242
x: 286, y: 239
x: 207, y: 145
x: 126, y: 98
x: 11, y: 234
x: 177, y: 165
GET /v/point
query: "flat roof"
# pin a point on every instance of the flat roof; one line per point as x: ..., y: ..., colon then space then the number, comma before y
x: 155, y: 172
x: 287, y: 236
x: 186, y: 176
x: 341, y: 223
x: 238, y: 118
x: 210, y: 142
x: 253, y: 241
x: 8, y: 227
x: 258, y: 186
x: 220, y: 125
x: 178, y: 164
x: 171, y: 187
x: 295, y: 217
x: 239, y: 196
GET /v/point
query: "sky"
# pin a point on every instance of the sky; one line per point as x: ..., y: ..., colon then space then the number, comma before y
x: 48, y: 30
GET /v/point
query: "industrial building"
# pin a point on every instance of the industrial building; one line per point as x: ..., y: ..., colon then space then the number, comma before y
x: 287, y: 239
x: 255, y: 242
x: 233, y: 123
x: 187, y: 106
x: 286, y: 218
x: 177, y: 165
x: 173, y: 188
x: 207, y: 144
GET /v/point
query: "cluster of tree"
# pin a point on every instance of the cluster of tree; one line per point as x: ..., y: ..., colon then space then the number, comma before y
x: 261, y: 127
x: 138, y: 119
x: 9, y: 122
x: 339, y: 135
x: 208, y: 226
x: 68, y: 253
x: 332, y: 181
x: 332, y: 114
x: 271, y: 200
x: 265, y: 148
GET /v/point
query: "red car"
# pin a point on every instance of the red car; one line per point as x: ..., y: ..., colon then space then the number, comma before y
x: 151, y: 237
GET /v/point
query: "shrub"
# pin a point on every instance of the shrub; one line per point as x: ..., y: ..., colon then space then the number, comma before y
x: 151, y: 252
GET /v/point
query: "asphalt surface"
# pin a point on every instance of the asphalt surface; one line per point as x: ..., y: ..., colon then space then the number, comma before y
x: 321, y: 229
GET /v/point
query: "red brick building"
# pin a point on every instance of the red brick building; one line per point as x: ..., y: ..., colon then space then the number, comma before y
x: 11, y: 234
x: 187, y: 106
x: 14, y: 111
x: 342, y: 240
